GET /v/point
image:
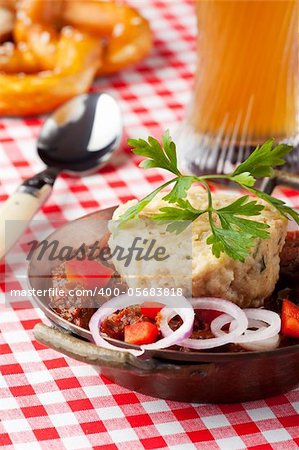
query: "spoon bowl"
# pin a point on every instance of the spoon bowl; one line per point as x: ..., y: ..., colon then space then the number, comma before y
x: 82, y: 134
x: 78, y: 138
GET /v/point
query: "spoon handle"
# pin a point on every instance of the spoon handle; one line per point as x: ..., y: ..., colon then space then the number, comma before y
x: 18, y: 210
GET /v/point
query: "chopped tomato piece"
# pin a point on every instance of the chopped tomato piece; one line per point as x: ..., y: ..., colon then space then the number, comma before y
x: 293, y: 235
x: 290, y: 319
x: 141, y: 333
x: 90, y: 273
x: 207, y: 315
x: 151, y: 309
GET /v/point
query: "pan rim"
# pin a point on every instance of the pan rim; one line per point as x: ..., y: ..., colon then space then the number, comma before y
x: 177, y: 355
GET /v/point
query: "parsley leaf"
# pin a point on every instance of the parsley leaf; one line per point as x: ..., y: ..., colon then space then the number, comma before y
x: 244, y: 179
x: 133, y: 212
x: 278, y: 204
x: 261, y: 161
x: 179, y: 217
x: 242, y: 207
x: 163, y: 157
x: 230, y: 218
x: 231, y: 242
x: 234, y: 233
x: 169, y: 213
x: 179, y: 190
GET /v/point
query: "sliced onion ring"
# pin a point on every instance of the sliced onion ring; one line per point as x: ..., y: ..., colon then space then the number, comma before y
x: 214, y: 304
x: 252, y: 323
x: 261, y: 334
x: 179, y: 304
x: 264, y: 345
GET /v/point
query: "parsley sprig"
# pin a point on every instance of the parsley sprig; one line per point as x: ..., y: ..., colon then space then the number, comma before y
x: 233, y: 231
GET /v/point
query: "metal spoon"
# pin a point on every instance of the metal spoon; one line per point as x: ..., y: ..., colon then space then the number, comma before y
x: 79, y: 137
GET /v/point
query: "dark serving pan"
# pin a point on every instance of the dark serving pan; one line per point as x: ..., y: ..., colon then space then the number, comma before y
x: 183, y: 376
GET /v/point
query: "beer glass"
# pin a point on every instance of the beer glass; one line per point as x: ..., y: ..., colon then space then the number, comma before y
x: 246, y: 82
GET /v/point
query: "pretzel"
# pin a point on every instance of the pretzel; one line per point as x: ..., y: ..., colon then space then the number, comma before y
x: 127, y: 33
x: 6, y: 23
x: 57, y: 64
x: 77, y: 60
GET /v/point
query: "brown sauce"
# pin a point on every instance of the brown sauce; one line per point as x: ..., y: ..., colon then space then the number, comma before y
x: 78, y: 310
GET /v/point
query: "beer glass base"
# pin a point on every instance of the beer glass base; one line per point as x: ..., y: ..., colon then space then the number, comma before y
x: 203, y: 154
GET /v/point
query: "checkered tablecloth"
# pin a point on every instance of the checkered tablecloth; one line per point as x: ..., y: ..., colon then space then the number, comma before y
x: 51, y: 402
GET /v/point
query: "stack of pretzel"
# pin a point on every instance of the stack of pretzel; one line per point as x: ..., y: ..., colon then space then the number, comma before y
x: 51, y: 50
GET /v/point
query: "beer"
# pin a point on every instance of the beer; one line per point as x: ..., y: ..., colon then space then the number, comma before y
x: 246, y: 85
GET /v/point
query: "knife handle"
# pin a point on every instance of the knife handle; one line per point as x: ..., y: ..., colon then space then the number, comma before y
x: 17, y: 211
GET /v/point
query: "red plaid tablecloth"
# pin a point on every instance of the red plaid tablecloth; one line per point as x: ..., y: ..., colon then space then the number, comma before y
x: 48, y: 401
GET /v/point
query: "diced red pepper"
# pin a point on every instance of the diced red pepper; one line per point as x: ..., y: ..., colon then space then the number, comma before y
x: 207, y: 315
x: 290, y: 319
x: 293, y: 235
x: 151, y: 309
x: 90, y: 273
x: 141, y: 333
